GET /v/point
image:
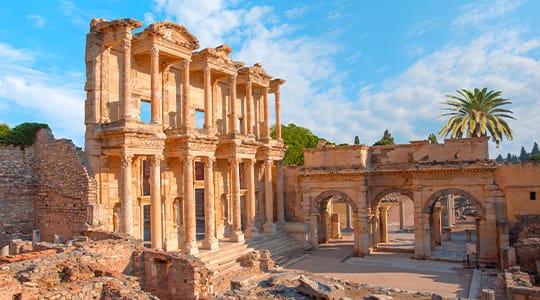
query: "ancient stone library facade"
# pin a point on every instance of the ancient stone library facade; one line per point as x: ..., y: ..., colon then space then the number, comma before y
x: 178, y: 154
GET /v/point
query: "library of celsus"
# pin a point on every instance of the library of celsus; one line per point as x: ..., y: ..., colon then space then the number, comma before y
x: 157, y: 108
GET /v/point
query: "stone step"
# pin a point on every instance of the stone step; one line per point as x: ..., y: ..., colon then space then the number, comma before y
x: 216, y: 261
x: 225, y: 248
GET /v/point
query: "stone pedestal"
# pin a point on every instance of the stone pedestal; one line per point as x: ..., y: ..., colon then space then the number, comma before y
x: 447, y: 233
x: 437, y: 226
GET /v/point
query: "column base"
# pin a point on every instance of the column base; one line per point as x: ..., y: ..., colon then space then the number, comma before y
x: 253, y: 233
x: 269, y: 228
x: 237, y: 236
x: 210, y: 244
x: 191, y: 248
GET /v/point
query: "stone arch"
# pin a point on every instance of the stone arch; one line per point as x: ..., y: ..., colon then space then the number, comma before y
x: 377, y: 199
x: 321, y: 202
x: 455, y: 191
x: 323, y: 198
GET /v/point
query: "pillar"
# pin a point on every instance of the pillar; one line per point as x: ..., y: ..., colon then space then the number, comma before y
x: 236, y: 230
x: 207, y: 97
x: 277, y: 96
x: 190, y: 231
x: 279, y: 191
x: 266, y: 133
x: 154, y: 86
x: 210, y: 241
x: 232, y: 117
x: 187, y: 121
x: 126, y: 208
x: 437, y: 225
x: 401, y: 215
x: 155, y: 199
x: 361, y: 224
x: 249, y: 104
x: 125, y: 105
x: 269, y: 226
x: 251, y: 229
x: 383, y: 211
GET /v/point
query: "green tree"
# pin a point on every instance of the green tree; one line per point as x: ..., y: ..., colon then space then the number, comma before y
x: 296, y: 138
x: 535, y: 150
x: 4, y: 132
x: 499, y: 158
x: 432, y: 138
x: 387, y: 139
x: 523, y: 155
x: 356, y: 140
x: 475, y: 113
x: 24, y: 134
x: 508, y: 157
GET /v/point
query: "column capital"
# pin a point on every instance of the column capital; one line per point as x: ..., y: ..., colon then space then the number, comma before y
x: 126, y: 159
x: 206, y: 69
x: 186, y: 62
x: 126, y: 43
x: 154, y: 52
x: 250, y: 161
x: 235, y: 160
x: 209, y: 160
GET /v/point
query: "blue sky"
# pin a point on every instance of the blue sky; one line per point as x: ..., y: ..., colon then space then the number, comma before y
x: 352, y: 67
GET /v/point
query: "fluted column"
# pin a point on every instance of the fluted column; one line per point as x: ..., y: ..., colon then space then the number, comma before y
x: 383, y: 211
x: 251, y: 229
x: 190, y: 230
x: 266, y: 133
x: 155, y: 198
x: 269, y: 225
x: 233, y: 119
x: 249, y: 104
x: 236, y: 231
x: 207, y: 97
x: 186, y: 105
x: 210, y: 241
x: 279, y: 196
x: 126, y: 208
x: 277, y: 96
x: 154, y: 86
x: 125, y: 105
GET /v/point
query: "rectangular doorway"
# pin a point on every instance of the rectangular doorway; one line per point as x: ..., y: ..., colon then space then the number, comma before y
x: 199, y: 213
x: 147, y: 234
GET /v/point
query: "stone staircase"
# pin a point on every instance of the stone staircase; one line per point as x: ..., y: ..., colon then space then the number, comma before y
x: 223, y: 261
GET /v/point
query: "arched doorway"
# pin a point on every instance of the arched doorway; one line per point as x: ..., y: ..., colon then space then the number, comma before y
x: 391, y: 223
x: 454, y: 220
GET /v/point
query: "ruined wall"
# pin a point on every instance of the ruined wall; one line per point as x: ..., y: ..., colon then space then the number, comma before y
x: 291, y: 194
x: 17, y: 194
x: 331, y: 156
x: 519, y: 181
x: 65, y: 187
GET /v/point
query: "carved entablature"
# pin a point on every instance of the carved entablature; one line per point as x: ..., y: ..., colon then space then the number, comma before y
x: 173, y: 33
x: 275, y: 84
x: 217, y: 58
x: 114, y: 31
x: 256, y: 74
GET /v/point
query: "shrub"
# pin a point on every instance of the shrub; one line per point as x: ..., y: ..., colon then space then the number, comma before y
x: 24, y: 134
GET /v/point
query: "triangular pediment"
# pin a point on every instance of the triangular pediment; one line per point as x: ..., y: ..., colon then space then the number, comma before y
x: 173, y: 33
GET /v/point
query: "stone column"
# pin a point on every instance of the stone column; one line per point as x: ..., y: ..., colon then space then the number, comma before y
x: 154, y: 86
x: 155, y: 198
x: 190, y: 230
x: 249, y: 104
x: 451, y: 207
x: 125, y: 105
x: 422, y: 249
x: 236, y: 230
x: 251, y: 229
x: 232, y: 116
x: 207, y: 97
x: 383, y: 211
x: 266, y: 133
x: 269, y: 225
x: 126, y: 208
x: 401, y: 215
x: 210, y: 241
x: 360, y: 221
x: 279, y: 191
x: 187, y: 121
x: 348, y: 216
x: 277, y: 96
x: 437, y: 225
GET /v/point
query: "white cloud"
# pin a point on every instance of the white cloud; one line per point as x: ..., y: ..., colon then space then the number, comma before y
x: 56, y: 99
x: 478, y: 13
x: 38, y: 21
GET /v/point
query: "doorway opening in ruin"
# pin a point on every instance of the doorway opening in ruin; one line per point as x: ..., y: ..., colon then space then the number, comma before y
x: 391, y: 223
x: 454, y: 219
x: 199, y: 213
x: 147, y: 236
x: 146, y: 111
x: 199, y: 118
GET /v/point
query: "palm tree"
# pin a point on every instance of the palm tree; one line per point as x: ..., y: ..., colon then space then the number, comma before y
x: 475, y: 113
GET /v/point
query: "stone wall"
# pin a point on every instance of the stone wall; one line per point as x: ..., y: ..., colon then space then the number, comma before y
x: 48, y: 187
x: 65, y: 187
x: 18, y: 193
x: 291, y: 195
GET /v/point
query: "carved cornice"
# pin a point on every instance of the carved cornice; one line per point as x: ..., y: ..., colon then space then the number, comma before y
x: 172, y: 32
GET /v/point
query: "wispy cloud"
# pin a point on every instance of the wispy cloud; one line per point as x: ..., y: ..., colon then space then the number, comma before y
x: 39, y: 21
x: 478, y: 13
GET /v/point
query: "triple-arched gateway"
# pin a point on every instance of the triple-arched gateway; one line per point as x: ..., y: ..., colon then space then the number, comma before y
x: 424, y: 173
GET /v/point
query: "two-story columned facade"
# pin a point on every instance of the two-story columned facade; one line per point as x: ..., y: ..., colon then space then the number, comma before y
x: 179, y: 139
